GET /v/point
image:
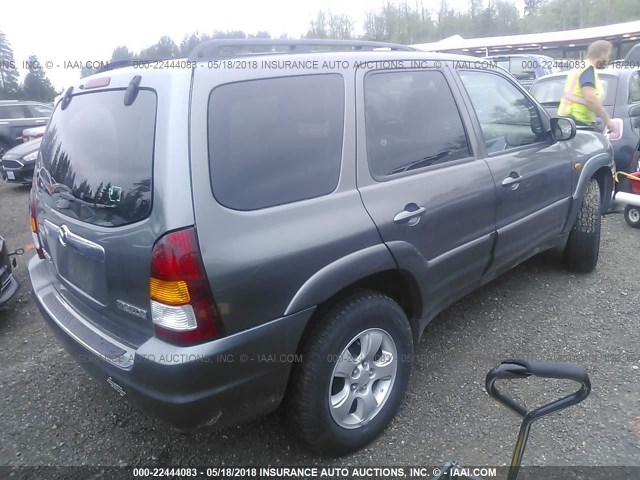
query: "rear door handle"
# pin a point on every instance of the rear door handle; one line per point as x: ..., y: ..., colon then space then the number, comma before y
x: 510, y: 180
x: 406, y: 216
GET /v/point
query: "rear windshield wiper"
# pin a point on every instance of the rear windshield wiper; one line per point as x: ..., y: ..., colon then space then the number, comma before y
x: 70, y: 198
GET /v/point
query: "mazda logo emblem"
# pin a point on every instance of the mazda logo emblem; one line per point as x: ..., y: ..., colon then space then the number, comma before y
x: 63, y: 234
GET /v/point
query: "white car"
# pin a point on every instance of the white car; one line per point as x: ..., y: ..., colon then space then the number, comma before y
x: 32, y: 133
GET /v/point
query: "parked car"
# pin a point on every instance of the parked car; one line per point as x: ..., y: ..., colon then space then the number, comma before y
x: 526, y: 68
x: 15, y: 116
x: 29, y: 134
x: 18, y: 163
x: 226, y: 240
x: 634, y: 54
x: 8, y: 283
x: 621, y: 99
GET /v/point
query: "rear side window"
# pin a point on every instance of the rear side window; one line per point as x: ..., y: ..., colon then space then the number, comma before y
x: 97, y: 158
x: 11, y: 111
x: 275, y: 141
x: 411, y: 121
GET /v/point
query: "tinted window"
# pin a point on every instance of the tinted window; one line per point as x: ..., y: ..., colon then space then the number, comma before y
x: 634, y: 88
x: 523, y: 68
x: 97, y: 158
x: 275, y: 141
x: 11, y: 111
x: 411, y: 122
x: 504, y: 64
x: 36, y: 111
x: 507, y: 117
x: 550, y: 90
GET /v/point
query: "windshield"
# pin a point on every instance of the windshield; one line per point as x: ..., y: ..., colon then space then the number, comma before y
x: 549, y: 91
x: 97, y: 158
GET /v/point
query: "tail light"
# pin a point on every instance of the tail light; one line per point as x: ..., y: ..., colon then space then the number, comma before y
x: 182, y: 306
x: 35, y: 230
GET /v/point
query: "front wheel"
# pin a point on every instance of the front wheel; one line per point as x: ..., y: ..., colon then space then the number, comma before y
x: 583, y: 246
x: 354, y: 373
x: 632, y: 215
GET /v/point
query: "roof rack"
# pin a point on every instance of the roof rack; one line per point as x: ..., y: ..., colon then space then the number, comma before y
x: 213, y: 49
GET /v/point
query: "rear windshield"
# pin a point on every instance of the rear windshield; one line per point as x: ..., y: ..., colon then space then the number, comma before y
x: 97, y: 158
x: 550, y: 90
x: 523, y: 69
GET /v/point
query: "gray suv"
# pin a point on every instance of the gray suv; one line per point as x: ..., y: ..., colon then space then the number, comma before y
x: 262, y: 229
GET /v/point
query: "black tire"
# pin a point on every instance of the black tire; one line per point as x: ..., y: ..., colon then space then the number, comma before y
x: 313, y: 381
x: 583, y: 246
x: 632, y: 215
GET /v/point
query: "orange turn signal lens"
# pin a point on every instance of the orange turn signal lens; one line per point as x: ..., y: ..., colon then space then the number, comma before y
x: 172, y: 293
x: 34, y: 225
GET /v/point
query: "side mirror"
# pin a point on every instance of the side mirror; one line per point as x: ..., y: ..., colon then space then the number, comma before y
x: 562, y: 128
x: 634, y: 111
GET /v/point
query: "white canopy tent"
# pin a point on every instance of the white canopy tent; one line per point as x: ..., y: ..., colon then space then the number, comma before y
x: 568, y: 40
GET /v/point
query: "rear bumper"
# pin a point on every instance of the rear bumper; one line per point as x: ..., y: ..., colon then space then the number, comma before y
x: 222, y: 382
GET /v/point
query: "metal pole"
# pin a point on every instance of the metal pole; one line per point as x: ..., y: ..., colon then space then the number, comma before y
x: 518, y: 452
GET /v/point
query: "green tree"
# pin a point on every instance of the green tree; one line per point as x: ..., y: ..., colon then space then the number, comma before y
x: 164, y: 48
x: 507, y: 19
x: 260, y: 34
x: 327, y: 25
x: 400, y: 23
x: 189, y: 42
x: 36, y: 85
x: 86, y: 71
x: 9, y: 86
x: 121, y: 53
x: 340, y: 27
x: 408, y: 22
x: 318, y: 27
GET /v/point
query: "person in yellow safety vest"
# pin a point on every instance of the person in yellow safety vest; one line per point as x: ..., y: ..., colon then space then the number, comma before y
x: 583, y: 91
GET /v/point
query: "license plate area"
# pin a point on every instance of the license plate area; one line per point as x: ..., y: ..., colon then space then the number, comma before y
x: 79, y: 262
x: 11, y: 175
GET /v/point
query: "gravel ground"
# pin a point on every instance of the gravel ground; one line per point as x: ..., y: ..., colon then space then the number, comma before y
x: 52, y: 413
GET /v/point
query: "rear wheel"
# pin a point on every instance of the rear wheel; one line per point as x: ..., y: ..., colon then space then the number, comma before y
x: 354, y: 373
x: 583, y: 246
x: 632, y: 215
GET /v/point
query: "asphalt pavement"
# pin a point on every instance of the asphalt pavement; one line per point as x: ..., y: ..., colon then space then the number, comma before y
x: 52, y: 413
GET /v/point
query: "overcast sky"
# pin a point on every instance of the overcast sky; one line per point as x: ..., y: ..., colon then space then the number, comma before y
x: 90, y: 29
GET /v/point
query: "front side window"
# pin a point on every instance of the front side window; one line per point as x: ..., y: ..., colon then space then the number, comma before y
x: 508, y: 118
x: 411, y: 122
x: 275, y: 141
x: 39, y: 111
